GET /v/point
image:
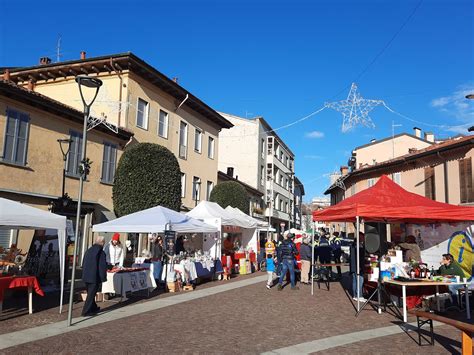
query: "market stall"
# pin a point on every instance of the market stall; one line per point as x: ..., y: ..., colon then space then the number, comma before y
x: 156, y: 220
x: 15, y: 215
x: 387, y: 202
x: 121, y: 281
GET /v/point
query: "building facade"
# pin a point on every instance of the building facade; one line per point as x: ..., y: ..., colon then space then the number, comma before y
x: 35, y: 132
x: 261, y: 159
x: 139, y: 98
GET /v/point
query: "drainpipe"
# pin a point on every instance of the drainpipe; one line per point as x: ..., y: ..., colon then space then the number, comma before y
x: 120, y: 91
x: 182, y: 102
x: 445, y: 172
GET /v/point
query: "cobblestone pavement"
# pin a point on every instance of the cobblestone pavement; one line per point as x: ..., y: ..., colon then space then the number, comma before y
x: 246, y: 320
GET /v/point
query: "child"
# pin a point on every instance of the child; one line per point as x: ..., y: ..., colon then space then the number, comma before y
x: 270, y: 270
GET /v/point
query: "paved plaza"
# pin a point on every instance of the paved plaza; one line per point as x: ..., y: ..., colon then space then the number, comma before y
x: 238, y: 316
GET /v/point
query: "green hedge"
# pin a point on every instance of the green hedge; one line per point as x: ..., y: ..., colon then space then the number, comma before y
x: 147, y: 175
x: 231, y: 193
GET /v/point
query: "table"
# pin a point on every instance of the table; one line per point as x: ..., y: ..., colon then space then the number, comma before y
x: 29, y: 282
x: 405, y: 284
x: 130, y: 281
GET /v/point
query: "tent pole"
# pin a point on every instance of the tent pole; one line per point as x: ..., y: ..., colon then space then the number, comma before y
x: 312, y: 260
x: 357, y: 262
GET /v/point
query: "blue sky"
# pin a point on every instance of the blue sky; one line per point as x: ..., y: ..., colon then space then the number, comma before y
x: 279, y: 59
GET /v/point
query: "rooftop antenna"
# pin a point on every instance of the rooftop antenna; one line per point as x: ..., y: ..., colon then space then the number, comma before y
x: 58, y: 50
x: 393, y: 137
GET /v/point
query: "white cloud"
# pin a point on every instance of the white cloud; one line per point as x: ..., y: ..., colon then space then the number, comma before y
x: 456, y: 105
x: 314, y: 134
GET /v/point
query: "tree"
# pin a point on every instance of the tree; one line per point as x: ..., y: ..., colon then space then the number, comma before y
x: 231, y: 193
x: 147, y: 175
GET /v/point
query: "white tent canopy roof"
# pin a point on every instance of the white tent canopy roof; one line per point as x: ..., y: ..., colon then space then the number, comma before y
x: 251, y: 221
x: 154, y: 220
x: 15, y: 215
x: 206, y: 209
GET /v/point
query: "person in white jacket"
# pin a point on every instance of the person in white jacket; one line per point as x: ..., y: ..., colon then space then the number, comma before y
x: 114, y: 252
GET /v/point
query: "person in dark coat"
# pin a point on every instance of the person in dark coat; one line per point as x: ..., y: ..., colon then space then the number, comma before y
x: 94, y: 272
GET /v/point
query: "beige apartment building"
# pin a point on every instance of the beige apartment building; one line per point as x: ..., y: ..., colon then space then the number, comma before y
x: 31, y: 163
x: 261, y: 159
x: 139, y: 98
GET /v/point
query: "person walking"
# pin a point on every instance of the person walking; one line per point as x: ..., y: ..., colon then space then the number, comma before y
x: 94, y: 272
x: 270, y: 270
x: 306, y: 256
x: 287, y: 252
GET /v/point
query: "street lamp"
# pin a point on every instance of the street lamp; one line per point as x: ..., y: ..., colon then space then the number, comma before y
x: 92, y: 83
x: 64, y: 152
x: 290, y: 184
x: 470, y: 97
x: 196, y: 192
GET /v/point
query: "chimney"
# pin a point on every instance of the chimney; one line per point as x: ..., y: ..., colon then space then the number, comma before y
x: 344, y: 170
x: 429, y: 136
x: 230, y: 171
x: 175, y: 79
x: 83, y: 55
x: 412, y: 150
x: 6, y: 74
x: 45, y: 60
x: 417, y: 132
x: 31, y: 85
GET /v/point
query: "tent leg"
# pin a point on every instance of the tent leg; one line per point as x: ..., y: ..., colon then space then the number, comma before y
x: 312, y: 261
x: 357, y: 262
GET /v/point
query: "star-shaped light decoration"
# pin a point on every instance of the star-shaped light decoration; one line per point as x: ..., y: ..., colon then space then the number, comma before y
x: 355, y: 110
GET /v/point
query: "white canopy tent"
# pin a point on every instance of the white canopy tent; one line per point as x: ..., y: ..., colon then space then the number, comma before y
x: 15, y: 215
x: 211, y: 210
x: 153, y: 220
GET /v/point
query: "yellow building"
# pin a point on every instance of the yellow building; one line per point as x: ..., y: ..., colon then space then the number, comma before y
x: 31, y: 163
x: 139, y: 98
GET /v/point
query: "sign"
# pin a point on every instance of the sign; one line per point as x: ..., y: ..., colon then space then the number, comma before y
x: 231, y: 229
x: 170, y: 237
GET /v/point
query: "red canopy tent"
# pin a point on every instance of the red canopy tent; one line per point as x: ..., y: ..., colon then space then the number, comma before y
x: 386, y: 201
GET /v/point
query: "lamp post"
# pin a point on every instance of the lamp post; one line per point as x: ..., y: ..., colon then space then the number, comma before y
x: 92, y: 83
x: 470, y: 97
x: 64, y: 153
x: 290, y: 184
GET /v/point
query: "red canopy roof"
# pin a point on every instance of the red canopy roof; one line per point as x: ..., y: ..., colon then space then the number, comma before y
x: 388, y: 202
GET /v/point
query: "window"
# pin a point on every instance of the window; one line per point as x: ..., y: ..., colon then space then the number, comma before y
x: 466, y: 181
x: 430, y: 183
x: 286, y: 161
x: 163, y: 124
x: 210, y: 186
x: 183, y: 140
x: 74, y: 155
x: 262, y: 175
x: 16, y: 137
x: 6, y: 238
x: 286, y: 207
x: 370, y: 182
x: 109, y: 162
x: 263, y: 148
x: 281, y: 180
x: 183, y: 184
x: 196, y: 188
x: 281, y: 205
x: 397, y: 178
x: 281, y: 155
x: 210, y: 148
x: 198, y: 141
x: 142, y: 114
